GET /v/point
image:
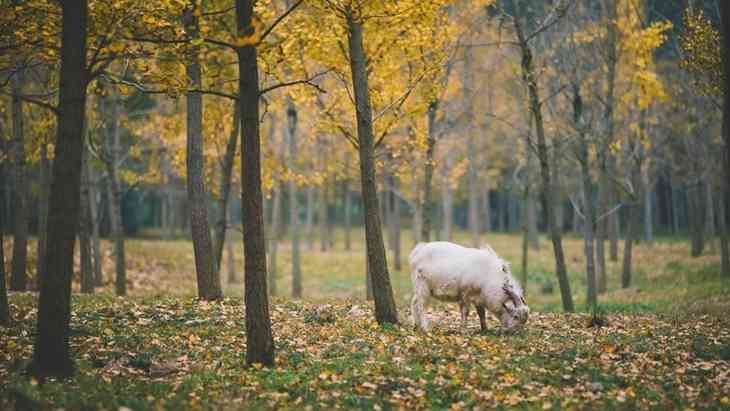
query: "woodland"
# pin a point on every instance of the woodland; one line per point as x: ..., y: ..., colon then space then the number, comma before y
x: 210, y: 204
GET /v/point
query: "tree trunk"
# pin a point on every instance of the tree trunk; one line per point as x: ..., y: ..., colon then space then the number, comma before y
x: 87, y: 274
x: 348, y: 207
x: 533, y: 234
x: 709, y: 224
x: 525, y: 240
x: 417, y: 205
x: 274, y: 238
x: 115, y: 193
x: 230, y: 253
x: 44, y: 191
x: 4, y: 306
x: 296, y: 269
x: 208, y: 275
x: 51, y: 356
x: 428, y: 204
x: 322, y: 217
x: 530, y: 80
x: 648, y: 209
x: 94, y: 197
x: 610, y: 226
x: 447, y: 197
x: 589, y: 209
x: 633, y: 221
x: 725, y: 28
x: 19, y: 274
x: 309, y: 222
x: 395, y: 223
x: 385, y: 310
x: 471, y: 172
x: 487, y: 208
x: 259, y: 339
x: 695, y: 196
x: 722, y: 226
x: 221, y: 227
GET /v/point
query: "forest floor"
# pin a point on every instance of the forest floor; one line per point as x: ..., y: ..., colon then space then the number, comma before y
x: 663, y: 344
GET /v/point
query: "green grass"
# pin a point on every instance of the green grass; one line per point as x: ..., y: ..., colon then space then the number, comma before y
x: 664, y: 344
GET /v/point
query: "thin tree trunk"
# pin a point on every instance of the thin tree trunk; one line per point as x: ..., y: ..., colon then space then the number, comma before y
x: 471, y: 172
x: 633, y: 221
x: 94, y: 197
x: 87, y: 274
x: 696, y: 208
x: 610, y: 226
x: 5, y: 317
x: 322, y: 203
x: 44, y: 191
x: 530, y: 80
x: 259, y: 338
x: 395, y: 223
x: 487, y: 207
x: 309, y: 221
x: 447, y: 197
x: 531, y: 215
x: 296, y: 268
x: 274, y: 239
x: 722, y: 228
x: 221, y: 227
x: 648, y: 209
x: 590, y: 214
x: 51, y: 356
x: 19, y: 274
x: 602, y: 225
x: 710, y: 215
x: 348, y: 207
x: 428, y: 203
x: 207, y: 274
x: 385, y: 309
x: 230, y: 252
x: 417, y: 205
x: 525, y: 240
x: 725, y: 28
x: 115, y: 193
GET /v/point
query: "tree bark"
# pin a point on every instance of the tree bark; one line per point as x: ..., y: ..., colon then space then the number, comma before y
x: 259, y: 339
x: 208, y: 275
x: 309, y: 221
x: 648, y: 209
x: 610, y: 226
x: 5, y: 317
x: 725, y: 24
x: 115, y: 193
x: 709, y: 224
x: 51, y: 356
x: 274, y: 238
x: 322, y: 217
x: 44, y: 191
x: 471, y: 172
x: 87, y: 274
x: 395, y: 224
x: 695, y: 196
x: 633, y: 221
x: 385, y: 310
x: 428, y: 203
x: 348, y: 206
x: 221, y: 227
x: 19, y: 274
x: 530, y: 79
x: 296, y: 268
x: 589, y: 209
x: 447, y: 198
x: 94, y: 197
x: 230, y: 253
x: 722, y: 226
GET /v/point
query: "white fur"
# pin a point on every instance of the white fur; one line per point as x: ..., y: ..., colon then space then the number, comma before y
x: 468, y: 276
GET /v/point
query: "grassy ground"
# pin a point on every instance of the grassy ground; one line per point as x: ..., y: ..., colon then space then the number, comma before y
x: 665, y: 342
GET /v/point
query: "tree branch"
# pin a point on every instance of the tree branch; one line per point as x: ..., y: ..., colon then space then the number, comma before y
x: 279, y: 20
